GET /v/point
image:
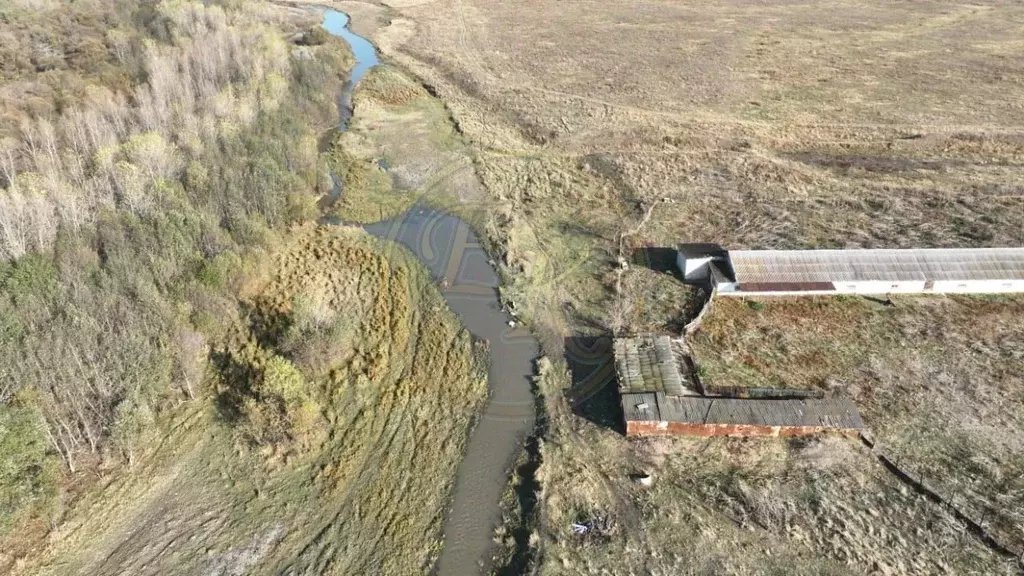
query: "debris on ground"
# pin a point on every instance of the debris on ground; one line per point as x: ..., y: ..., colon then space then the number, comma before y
x: 600, y: 526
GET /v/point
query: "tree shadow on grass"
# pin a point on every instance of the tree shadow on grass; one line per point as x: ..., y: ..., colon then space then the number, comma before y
x: 235, y: 378
x: 594, y: 393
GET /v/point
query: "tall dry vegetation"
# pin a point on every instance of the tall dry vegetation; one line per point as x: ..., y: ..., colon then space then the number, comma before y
x: 119, y: 150
x: 139, y: 180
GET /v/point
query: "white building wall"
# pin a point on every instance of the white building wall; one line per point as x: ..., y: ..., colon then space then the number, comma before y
x: 882, y: 288
x: 878, y: 287
x: 694, y: 269
x: 978, y: 286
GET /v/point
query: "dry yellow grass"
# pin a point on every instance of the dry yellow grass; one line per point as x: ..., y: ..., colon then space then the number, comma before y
x: 782, y: 124
x: 938, y: 381
x: 762, y: 125
x: 823, y: 506
x: 769, y: 125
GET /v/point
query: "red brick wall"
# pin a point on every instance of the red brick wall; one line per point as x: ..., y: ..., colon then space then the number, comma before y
x: 648, y: 428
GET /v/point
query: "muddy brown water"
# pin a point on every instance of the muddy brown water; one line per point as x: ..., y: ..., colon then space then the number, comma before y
x: 451, y: 251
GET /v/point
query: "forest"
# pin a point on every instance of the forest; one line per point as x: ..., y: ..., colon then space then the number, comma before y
x: 151, y: 153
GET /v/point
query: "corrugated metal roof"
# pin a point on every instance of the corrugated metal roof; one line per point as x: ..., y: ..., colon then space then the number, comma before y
x: 650, y: 364
x: 795, y: 266
x: 829, y: 412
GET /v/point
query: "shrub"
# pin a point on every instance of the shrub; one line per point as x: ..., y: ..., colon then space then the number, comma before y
x: 133, y: 417
x: 317, y: 338
x: 315, y: 36
x: 221, y: 270
x: 10, y: 325
x: 32, y: 276
x: 268, y: 393
x: 28, y: 470
x: 280, y: 408
x: 281, y: 380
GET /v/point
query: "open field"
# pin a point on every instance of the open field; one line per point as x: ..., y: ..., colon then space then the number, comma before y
x: 838, y: 124
x: 823, y: 506
x: 758, y: 125
x: 939, y: 381
x: 769, y: 125
x: 360, y: 487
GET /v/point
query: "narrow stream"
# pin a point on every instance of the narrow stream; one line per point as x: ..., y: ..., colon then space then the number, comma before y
x: 366, y: 58
x: 451, y: 250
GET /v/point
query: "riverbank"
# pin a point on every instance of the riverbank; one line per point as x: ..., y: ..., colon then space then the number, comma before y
x: 400, y: 147
x: 359, y: 486
x: 311, y: 440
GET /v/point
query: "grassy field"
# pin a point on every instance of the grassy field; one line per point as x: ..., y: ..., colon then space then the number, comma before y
x: 359, y: 485
x: 755, y: 125
x: 938, y: 380
x: 782, y: 125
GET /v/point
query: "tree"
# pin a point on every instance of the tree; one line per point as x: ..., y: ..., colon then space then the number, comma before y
x: 131, y: 187
x: 154, y: 154
x: 28, y: 474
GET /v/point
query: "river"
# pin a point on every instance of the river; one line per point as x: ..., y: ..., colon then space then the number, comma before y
x: 365, y: 54
x: 451, y: 250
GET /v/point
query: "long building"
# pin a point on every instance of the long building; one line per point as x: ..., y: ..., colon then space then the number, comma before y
x: 857, y: 271
x: 661, y: 395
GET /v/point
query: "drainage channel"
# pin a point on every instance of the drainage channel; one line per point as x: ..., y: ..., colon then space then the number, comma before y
x: 451, y: 251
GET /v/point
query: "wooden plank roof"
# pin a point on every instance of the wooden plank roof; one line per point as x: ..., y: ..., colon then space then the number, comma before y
x: 830, y: 412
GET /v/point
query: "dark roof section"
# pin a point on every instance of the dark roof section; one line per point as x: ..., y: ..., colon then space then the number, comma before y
x: 702, y: 249
x: 831, y: 412
x: 721, y: 271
